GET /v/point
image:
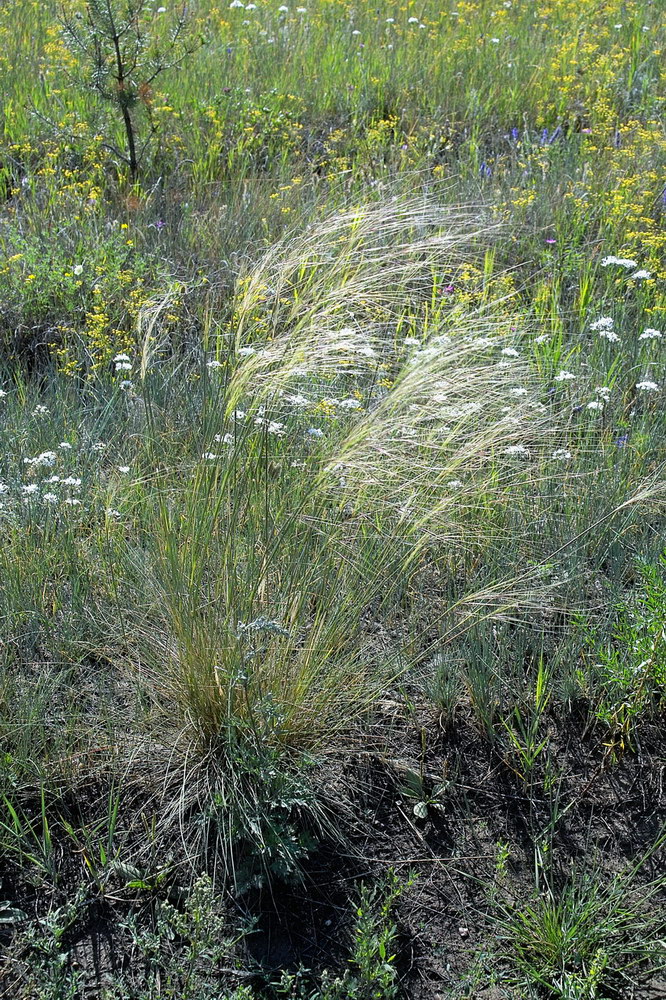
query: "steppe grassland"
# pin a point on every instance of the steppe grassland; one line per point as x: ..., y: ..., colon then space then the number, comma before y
x: 288, y: 432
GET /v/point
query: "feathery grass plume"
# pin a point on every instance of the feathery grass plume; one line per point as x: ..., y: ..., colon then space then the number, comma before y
x: 361, y: 249
x: 150, y: 338
x: 379, y: 485
x: 335, y: 295
x: 424, y: 418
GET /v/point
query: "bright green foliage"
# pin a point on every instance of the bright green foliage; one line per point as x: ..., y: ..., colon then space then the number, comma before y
x: 629, y: 676
x: 374, y: 975
x: 582, y: 937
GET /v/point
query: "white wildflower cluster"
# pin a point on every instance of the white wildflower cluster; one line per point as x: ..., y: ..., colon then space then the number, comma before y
x: 647, y: 386
x: 628, y: 264
x: 352, y: 345
x: 650, y: 334
x: 561, y: 455
x: 619, y: 262
x: 464, y: 410
x: 517, y: 451
x: 603, y: 323
x: 122, y: 363
x: 604, y: 326
x: 343, y: 404
x: 366, y: 351
x: 270, y: 426
x: 50, y: 497
x: 564, y: 376
x: 47, y: 458
x: 297, y: 400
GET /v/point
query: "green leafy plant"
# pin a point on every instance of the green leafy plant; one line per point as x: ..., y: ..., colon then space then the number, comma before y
x: 374, y: 975
x: 28, y: 838
x: 375, y: 935
x: 629, y: 676
x: 10, y: 914
x: 526, y: 741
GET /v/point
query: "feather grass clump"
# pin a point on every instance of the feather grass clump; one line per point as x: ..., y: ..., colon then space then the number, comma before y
x: 267, y: 564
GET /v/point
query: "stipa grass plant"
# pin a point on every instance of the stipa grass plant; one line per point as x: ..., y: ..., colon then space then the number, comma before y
x: 327, y: 479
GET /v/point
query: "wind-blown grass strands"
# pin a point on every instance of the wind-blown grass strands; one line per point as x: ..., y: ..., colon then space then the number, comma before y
x: 353, y: 254
x: 454, y: 404
x: 440, y: 436
x: 342, y: 287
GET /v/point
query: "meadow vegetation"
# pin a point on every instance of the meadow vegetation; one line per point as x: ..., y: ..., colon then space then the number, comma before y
x: 332, y: 485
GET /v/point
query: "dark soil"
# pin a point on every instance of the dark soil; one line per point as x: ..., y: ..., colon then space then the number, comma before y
x: 588, y: 807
